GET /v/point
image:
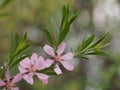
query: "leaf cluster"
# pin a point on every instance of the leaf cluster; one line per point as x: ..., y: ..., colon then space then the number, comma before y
x: 18, y: 49
x: 91, y: 47
x: 61, y: 33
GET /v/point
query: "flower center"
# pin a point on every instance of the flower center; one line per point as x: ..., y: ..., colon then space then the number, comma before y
x: 31, y: 69
x: 8, y: 85
x: 58, y: 58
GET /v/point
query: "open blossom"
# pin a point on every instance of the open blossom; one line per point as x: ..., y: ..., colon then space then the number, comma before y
x: 29, y: 67
x: 8, y: 84
x: 58, y: 58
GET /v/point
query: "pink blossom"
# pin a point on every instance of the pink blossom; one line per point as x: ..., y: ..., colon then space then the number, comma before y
x: 8, y: 84
x: 58, y: 58
x: 29, y: 67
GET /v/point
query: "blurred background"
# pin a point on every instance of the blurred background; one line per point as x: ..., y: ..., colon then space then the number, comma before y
x: 96, y: 17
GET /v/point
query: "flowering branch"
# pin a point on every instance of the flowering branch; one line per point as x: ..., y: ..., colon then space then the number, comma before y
x: 30, y: 65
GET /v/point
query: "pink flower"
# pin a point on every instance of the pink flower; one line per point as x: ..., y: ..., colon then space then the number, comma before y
x: 29, y: 67
x: 8, y: 84
x: 58, y: 58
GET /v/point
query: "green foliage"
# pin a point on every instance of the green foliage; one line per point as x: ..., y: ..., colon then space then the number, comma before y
x: 56, y: 28
x: 88, y: 47
x: 61, y: 33
x: 48, y: 71
x: 49, y: 37
x: 18, y: 48
x: 67, y: 20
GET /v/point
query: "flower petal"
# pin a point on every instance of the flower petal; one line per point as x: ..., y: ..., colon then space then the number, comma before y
x: 61, y: 48
x: 42, y: 76
x: 14, y: 88
x: 25, y: 63
x: 45, y: 81
x: 7, y: 75
x: 68, y: 65
x: 34, y: 57
x: 2, y: 83
x: 28, y: 78
x: 22, y: 70
x: 49, y: 50
x: 57, y: 69
x: 68, y: 56
x: 48, y: 62
x: 17, y: 78
x: 39, y: 63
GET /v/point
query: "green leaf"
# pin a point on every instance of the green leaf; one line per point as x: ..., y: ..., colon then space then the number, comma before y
x: 18, y: 48
x: 86, y: 43
x: 96, y: 52
x: 66, y: 22
x: 105, y: 45
x: 48, y: 71
x: 99, y: 41
x: 14, y: 44
x: 65, y: 17
x: 56, y: 29
x: 49, y: 37
x: 18, y: 60
x: 75, y: 15
x: 22, y: 50
x: 65, y: 13
x: 63, y: 34
x: 82, y: 57
x: 21, y: 44
x: 89, y: 48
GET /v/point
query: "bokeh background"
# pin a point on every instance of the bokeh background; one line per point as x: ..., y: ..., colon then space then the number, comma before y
x: 96, y: 17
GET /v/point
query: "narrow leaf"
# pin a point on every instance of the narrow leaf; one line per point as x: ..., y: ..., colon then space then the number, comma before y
x: 18, y: 60
x: 63, y: 34
x: 56, y: 29
x: 82, y: 57
x: 96, y: 52
x: 75, y: 15
x: 99, y: 41
x: 87, y: 42
x: 49, y: 37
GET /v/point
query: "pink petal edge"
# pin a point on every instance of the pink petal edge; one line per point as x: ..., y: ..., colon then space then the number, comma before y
x: 49, y: 50
x: 68, y: 65
x: 57, y: 69
x: 17, y: 78
x: 2, y: 83
x: 48, y: 62
x: 39, y: 63
x: 45, y: 81
x: 34, y: 57
x: 7, y: 75
x: 42, y: 76
x: 28, y: 78
x: 61, y: 48
x: 14, y: 88
x: 68, y: 56
x: 25, y: 63
x: 22, y: 70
